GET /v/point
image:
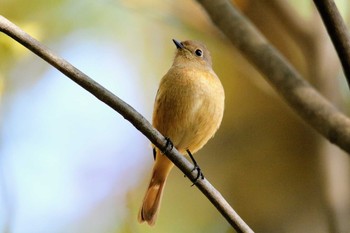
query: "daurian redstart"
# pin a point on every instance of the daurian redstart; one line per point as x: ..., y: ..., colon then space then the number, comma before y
x: 188, y: 109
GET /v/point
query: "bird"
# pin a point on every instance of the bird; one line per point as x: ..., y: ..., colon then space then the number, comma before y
x: 188, y: 110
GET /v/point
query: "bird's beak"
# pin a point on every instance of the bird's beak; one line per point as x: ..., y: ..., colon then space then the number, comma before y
x: 178, y: 44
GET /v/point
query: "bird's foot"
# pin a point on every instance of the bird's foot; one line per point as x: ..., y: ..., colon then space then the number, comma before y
x: 168, y: 145
x: 196, y: 167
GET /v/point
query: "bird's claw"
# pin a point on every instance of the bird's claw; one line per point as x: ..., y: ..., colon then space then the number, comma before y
x: 196, y: 167
x: 168, y: 145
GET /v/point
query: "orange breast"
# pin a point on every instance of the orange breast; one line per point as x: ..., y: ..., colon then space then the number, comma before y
x: 189, y: 107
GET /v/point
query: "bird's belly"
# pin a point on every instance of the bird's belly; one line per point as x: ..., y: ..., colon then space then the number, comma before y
x: 189, y: 121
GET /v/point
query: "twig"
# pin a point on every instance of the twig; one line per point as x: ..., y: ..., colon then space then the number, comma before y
x: 131, y: 115
x: 303, y: 99
x: 338, y: 32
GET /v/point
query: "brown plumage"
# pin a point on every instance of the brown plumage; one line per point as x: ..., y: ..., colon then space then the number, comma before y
x: 188, y: 109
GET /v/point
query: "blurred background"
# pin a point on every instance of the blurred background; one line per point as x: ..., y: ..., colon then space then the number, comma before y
x: 68, y: 163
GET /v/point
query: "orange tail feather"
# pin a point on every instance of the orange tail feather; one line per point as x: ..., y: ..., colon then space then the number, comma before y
x: 151, y: 202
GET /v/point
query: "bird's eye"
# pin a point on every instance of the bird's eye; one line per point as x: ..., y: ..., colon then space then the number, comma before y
x: 199, y: 52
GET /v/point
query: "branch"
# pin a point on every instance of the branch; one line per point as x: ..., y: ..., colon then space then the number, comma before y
x: 129, y: 114
x: 338, y: 32
x: 302, y: 98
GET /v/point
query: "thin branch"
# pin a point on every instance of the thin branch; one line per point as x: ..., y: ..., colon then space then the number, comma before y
x: 338, y: 32
x: 302, y: 98
x: 129, y: 114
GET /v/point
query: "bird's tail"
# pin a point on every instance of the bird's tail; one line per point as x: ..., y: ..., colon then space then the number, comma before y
x: 151, y: 202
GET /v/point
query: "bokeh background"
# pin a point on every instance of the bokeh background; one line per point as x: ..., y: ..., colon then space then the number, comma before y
x: 68, y: 163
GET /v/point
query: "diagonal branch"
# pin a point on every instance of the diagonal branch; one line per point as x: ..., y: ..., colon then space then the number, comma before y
x: 302, y: 98
x: 338, y: 32
x: 129, y: 114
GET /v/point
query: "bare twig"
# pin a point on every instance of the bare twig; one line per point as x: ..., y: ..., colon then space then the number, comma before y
x: 304, y: 99
x: 338, y: 32
x: 131, y: 115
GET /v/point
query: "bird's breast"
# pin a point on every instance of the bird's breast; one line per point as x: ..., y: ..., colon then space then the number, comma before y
x: 189, y: 106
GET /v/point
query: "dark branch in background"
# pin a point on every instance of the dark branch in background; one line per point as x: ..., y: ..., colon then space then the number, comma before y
x: 338, y: 32
x: 131, y: 115
x: 304, y: 99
